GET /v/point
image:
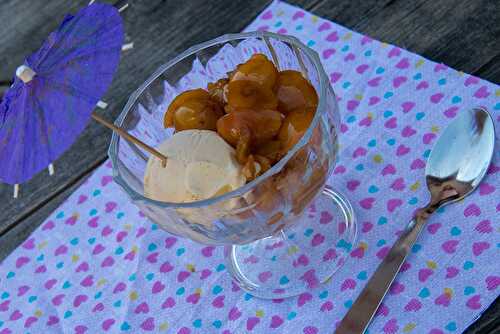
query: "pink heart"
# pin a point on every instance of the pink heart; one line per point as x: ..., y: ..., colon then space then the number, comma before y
x: 367, y: 203
x: 98, y: 249
x: 84, y: 266
x: 325, y: 218
x: 398, y: 184
x: 169, y: 242
x: 106, y: 324
x: 472, y: 210
x: 443, y: 300
x: 395, y: 51
x: 335, y: 76
x: 396, y: 288
x: 403, y: 63
x: 389, y: 169
x: 276, y: 321
x: 48, y: 225
x: 252, y: 322
x: 362, y: 68
x: 391, y: 123
x: 358, y: 252
x: 327, y: 306
x: 436, y: 98
x: 382, y: 310
x: 423, y: 85
x: 332, y: 37
x: 408, y: 131
x: 142, y: 308
x: 121, y: 235
x: 471, y: 81
x: 339, y: 170
x: 383, y: 252
x: 29, y: 244
x: 153, y: 257
x: 417, y: 164
x: 391, y: 327
x: 4, y: 306
x: 352, y: 104
x: 366, y: 227
x: 79, y: 300
x: 57, y: 300
x: 317, y: 240
x: 352, y: 184
x: 393, y: 204
x: 16, y: 315
x: 52, y: 320
x: 440, y: 67
x: 451, y: 112
x: 50, y: 283
x: 157, y: 287
x: 234, y: 313
x: 106, y: 231
x: 365, y: 40
x: 328, y: 53
x: 22, y: 290
x: 451, y: 272
x: 343, y: 128
x: 428, y: 137
x: 267, y: 15
x: 493, y: 169
x: 404, y: 267
x: 413, y: 305
x: 479, y: 247
x: 398, y: 81
x: 486, y: 189
x: 81, y: 199
x: 304, y: 298
x: 168, y: 303
x: 367, y: 121
x: 93, y: 222
x: 87, y: 281
x: 30, y: 321
x: 105, y: 180
x: 407, y: 106
x: 373, y: 100
x: 299, y: 14
x: 374, y: 82
x: 119, y: 287
x: 40, y: 269
x: 484, y: 226
x: 482, y: 92
x: 107, y: 262
x: 450, y: 246
x: 492, y: 282
x: 148, y: 324
x: 310, y: 279
x: 302, y: 260
x: 183, y: 275
x: 324, y: 26
x: 98, y: 307
x: 207, y: 251
x: 474, y: 302
x: 263, y: 28
x: 348, y: 284
x: 166, y: 267
x: 21, y: 261
x: 218, y: 302
x: 330, y: 254
x: 61, y: 250
x: 359, y: 152
x: 433, y: 228
x: 110, y: 206
x: 402, y: 150
x: 140, y: 232
x: 71, y: 220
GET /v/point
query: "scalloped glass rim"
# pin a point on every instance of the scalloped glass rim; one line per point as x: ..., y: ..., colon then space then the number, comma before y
x: 324, y: 85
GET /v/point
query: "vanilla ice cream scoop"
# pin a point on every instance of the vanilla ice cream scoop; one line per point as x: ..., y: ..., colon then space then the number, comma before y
x: 200, y: 165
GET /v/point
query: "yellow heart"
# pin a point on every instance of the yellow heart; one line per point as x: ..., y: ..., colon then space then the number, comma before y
x: 75, y: 258
x: 292, y: 250
x: 409, y: 327
x: 431, y: 264
x: 435, y: 129
x: 198, y: 291
x: 164, y: 326
x: 38, y: 313
x: 76, y: 215
x: 101, y: 282
x: 383, y: 45
x: 134, y: 249
x: 370, y: 115
x: 497, y: 92
x: 127, y: 227
x: 419, y: 63
x: 259, y: 313
x: 363, y: 245
x: 448, y: 291
x: 415, y: 186
x: 42, y: 245
x: 377, y: 158
x: 133, y: 296
x: 314, y: 19
x: 460, y: 73
x: 190, y: 268
x: 358, y: 97
x: 280, y: 13
x: 347, y: 36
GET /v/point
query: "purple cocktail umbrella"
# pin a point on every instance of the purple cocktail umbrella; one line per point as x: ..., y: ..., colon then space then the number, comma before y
x: 56, y: 90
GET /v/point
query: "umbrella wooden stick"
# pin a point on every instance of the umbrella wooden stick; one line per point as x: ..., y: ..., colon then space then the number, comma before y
x: 124, y: 134
x: 16, y: 190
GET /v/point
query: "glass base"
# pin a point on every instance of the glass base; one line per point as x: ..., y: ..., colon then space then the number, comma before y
x: 302, y: 257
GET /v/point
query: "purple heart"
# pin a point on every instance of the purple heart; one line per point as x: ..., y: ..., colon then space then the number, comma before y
x: 16, y: 315
x: 234, y: 314
x: 474, y: 302
x: 71, y: 220
x: 105, y: 180
x: 310, y: 279
x: 472, y: 210
x: 352, y: 105
x: 4, y: 306
x: 484, y: 226
x: 327, y: 306
x: 408, y: 131
x: 299, y: 14
x: 50, y: 283
x: 366, y: 39
x: 402, y: 150
x: 366, y: 227
x: 106, y: 324
x: 391, y: 327
x: 436, y: 98
x: 332, y: 37
x: 157, y: 287
x: 440, y: 67
x: 142, y: 308
x: 81, y: 199
x: 362, y: 68
x: 389, y: 169
x: 403, y: 63
x: 391, y: 123
x: 93, y: 222
x: 451, y: 112
x: 374, y: 82
x: 40, y: 269
x: 396, y: 288
x: 98, y: 307
x: 79, y: 300
x: 330, y: 254
x: 30, y: 321
x: 61, y: 250
x: 48, y: 225
x: 22, y: 290
x: 29, y: 244
x: 205, y: 273
x: 218, y: 302
x: 398, y: 184
x: 450, y: 246
x: 57, y: 300
x: 276, y: 321
x: 252, y: 322
x: 166, y: 267
x: 110, y: 206
x: 492, y: 282
x: 486, y: 189
x: 153, y: 257
x: 207, y: 251
x: 393, y: 204
x: 82, y: 267
x: 106, y: 231
x: 348, y: 284
x: 264, y: 276
x: 367, y: 203
x: 471, y: 81
x: 352, y: 184
x: 482, y: 92
x: 479, y: 247
x: 193, y: 298
x: 267, y: 15
x: 52, y: 320
x: 326, y: 218
x: 428, y: 137
x: 423, y: 85
x: 21, y: 261
x: 168, y: 303
x: 407, y: 106
x: 107, y: 262
x: 169, y: 242
x: 358, y: 252
x: 119, y: 287
x: 433, y: 228
x: 121, y: 235
x: 417, y: 164
x: 335, y: 76
x: 324, y: 26
x: 328, y: 53
x: 395, y: 51
x: 140, y: 232
x: 87, y: 281
x: 148, y: 324
x: 317, y: 240
x: 451, y: 272
x: 98, y: 249
x: 398, y: 81
x: 80, y: 329
x: 373, y: 100
x: 302, y: 260
x: 183, y: 275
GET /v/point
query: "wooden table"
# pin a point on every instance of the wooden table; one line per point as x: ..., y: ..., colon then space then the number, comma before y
x: 463, y: 34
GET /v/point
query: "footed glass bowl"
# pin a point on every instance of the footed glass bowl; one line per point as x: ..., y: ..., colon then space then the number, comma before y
x: 286, y: 231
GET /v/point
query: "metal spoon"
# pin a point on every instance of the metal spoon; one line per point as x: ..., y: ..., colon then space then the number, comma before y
x: 456, y: 166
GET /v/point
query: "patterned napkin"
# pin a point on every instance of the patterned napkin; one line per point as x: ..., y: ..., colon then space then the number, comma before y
x: 98, y: 265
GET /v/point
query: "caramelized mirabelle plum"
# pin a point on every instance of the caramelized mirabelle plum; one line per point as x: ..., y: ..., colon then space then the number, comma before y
x: 249, y: 94
x: 216, y: 90
x: 257, y: 69
x: 246, y: 129
x: 294, y: 92
x: 294, y: 126
x: 271, y: 150
x: 193, y: 109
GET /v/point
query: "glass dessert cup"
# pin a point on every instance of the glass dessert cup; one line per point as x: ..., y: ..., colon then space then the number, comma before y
x: 286, y: 231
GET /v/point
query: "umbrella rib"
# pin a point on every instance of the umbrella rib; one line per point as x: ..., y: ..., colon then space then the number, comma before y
x: 43, y: 122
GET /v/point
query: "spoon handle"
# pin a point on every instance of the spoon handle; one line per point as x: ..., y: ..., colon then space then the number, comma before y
x: 362, y: 311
